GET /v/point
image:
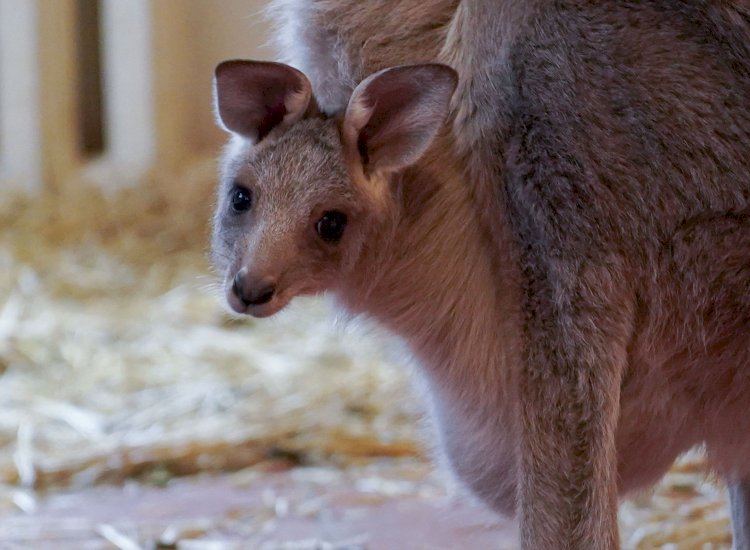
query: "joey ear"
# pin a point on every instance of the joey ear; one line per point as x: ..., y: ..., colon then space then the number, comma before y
x: 394, y: 115
x: 254, y: 97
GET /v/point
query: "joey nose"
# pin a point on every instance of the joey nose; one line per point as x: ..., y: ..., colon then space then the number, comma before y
x: 252, y: 291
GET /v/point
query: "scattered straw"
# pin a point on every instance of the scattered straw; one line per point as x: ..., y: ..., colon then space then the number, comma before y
x: 118, y: 539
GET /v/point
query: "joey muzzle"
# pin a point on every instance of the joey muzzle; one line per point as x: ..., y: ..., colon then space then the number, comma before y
x: 251, y: 290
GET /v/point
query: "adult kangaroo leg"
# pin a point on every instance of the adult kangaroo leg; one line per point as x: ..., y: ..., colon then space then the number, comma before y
x: 739, y: 500
x: 711, y: 255
x: 570, y: 389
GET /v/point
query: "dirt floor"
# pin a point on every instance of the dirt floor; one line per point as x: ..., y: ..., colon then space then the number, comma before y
x: 304, y: 509
x: 134, y: 410
x: 383, y: 504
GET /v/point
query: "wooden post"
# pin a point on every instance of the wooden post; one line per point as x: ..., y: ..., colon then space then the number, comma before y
x: 172, y: 87
x: 128, y: 66
x: 59, y: 86
x: 20, y: 153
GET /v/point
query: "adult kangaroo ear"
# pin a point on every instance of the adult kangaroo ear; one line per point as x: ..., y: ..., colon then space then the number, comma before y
x: 254, y: 97
x: 394, y: 115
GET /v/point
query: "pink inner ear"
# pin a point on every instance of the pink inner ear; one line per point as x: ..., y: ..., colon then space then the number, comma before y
x: 275, y: 113
x: 394, y: 115
x: 254, y: 97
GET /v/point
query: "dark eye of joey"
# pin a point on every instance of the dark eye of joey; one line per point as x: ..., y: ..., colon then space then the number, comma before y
x: 331, y: 226
x: 241, y: 199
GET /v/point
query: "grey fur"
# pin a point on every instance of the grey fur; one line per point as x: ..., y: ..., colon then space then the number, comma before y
x: 571, y: 266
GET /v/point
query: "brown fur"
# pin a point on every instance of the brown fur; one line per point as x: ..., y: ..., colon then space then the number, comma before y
x: 571, y: 267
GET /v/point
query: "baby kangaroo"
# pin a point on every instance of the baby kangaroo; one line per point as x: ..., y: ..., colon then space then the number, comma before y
x: 564, y: 367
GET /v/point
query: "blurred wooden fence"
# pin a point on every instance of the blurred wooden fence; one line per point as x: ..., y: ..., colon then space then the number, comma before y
x: 106, y: 90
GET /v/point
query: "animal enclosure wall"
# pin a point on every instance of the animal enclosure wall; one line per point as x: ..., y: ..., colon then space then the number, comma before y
x: 106, y: 90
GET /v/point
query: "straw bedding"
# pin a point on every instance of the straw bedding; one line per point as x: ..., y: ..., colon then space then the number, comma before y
x: 117, y: 362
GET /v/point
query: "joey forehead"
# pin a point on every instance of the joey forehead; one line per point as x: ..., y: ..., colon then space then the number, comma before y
x: 305, y: 164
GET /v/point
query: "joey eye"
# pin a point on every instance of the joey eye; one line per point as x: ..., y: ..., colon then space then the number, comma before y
x: 241, y: 199
x: 331, y: 226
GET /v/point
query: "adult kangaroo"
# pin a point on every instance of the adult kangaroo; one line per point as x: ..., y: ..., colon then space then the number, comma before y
x: 563, y: 241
